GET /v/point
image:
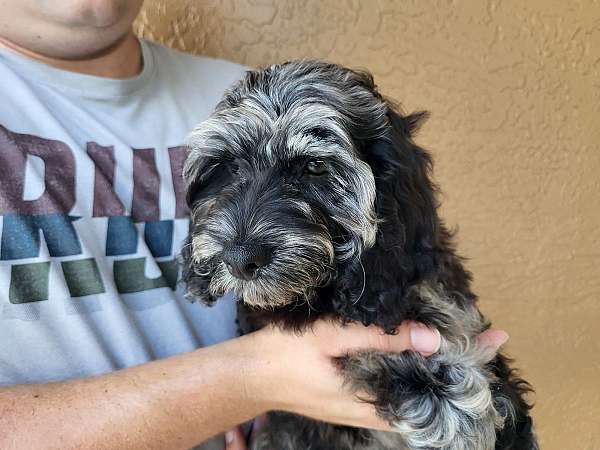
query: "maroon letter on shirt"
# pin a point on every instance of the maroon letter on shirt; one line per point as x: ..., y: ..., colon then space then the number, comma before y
x: 106, y: 202
x: 59, y: 174
x: 177, y: 157
x: 146, y: 185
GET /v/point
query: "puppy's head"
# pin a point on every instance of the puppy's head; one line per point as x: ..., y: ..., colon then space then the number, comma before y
x: 281, y: 182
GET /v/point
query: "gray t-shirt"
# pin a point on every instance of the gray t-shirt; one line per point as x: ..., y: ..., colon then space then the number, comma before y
x: 92, y: 215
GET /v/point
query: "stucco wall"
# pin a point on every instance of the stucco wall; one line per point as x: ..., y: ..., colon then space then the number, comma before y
x: 514, y: 91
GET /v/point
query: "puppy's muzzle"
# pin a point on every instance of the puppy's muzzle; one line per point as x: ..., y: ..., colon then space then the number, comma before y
x: 244, y: 261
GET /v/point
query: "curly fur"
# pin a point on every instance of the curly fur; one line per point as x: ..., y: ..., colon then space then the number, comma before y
x: 361, y: 242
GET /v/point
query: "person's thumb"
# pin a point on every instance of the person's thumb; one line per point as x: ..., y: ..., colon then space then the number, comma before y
x: 492, y: 338
x: 409, y: 336
x: 234, y: 440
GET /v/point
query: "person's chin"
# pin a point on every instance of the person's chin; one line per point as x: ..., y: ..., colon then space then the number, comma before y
x: 101, y: 14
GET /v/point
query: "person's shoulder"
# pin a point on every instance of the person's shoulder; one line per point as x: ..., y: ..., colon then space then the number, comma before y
x: 196, y: 65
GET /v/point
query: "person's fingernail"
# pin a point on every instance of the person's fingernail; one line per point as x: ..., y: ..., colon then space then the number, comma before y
x: 502, y: 337
x: 229, y: 437
x: 424, y: 339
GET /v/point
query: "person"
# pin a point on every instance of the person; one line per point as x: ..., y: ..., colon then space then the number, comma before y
x: 98, y: 347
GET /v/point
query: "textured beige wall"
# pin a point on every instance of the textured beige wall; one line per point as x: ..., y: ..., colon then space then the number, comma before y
x: 514, y: 91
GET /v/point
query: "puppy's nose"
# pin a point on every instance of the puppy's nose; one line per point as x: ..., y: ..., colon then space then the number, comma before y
x: 244, y: 260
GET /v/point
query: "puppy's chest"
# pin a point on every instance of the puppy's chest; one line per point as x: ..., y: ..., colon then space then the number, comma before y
x: 383, y: 304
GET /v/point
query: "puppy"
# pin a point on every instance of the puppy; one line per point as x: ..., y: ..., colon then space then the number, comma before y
x: 309, y: 198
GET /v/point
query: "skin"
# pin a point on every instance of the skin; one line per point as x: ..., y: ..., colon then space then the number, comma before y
x: 177, y: 402
x: 87, y: 36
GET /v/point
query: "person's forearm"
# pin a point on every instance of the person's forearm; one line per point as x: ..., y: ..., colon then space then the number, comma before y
x: 173, y: 403
x: 179, y: 402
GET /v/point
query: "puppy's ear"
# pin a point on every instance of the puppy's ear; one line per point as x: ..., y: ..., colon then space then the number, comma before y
x: 406, y: 196
x: 204, y: 178
x: 196, y: 284
x: 371, y: 289
x: 405, y: 199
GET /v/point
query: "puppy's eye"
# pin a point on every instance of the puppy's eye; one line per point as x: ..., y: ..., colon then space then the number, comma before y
x: 316, y: 168
x: 233, y: 167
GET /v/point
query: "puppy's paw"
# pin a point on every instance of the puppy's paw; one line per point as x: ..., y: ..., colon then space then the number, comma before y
x: 431, y: 403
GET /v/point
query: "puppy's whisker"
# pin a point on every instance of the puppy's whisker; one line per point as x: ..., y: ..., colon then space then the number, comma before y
x: 364, y: 284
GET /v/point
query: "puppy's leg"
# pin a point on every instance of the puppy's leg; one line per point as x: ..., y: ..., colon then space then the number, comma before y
x: 291, y: 432
x: 284, y: 431
x: 432, y: 403
x: 444, y: 401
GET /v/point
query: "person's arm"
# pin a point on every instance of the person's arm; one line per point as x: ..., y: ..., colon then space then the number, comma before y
x: 181, y: 401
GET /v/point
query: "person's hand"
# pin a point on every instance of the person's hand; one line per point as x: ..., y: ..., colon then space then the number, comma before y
x: 295, y: 373
x: 304, y: 380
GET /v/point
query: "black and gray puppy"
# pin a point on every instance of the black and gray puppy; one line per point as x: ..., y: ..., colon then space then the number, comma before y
x: 309, y: 198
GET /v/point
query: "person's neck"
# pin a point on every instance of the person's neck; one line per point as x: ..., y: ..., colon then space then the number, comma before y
x: 123, y: 59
